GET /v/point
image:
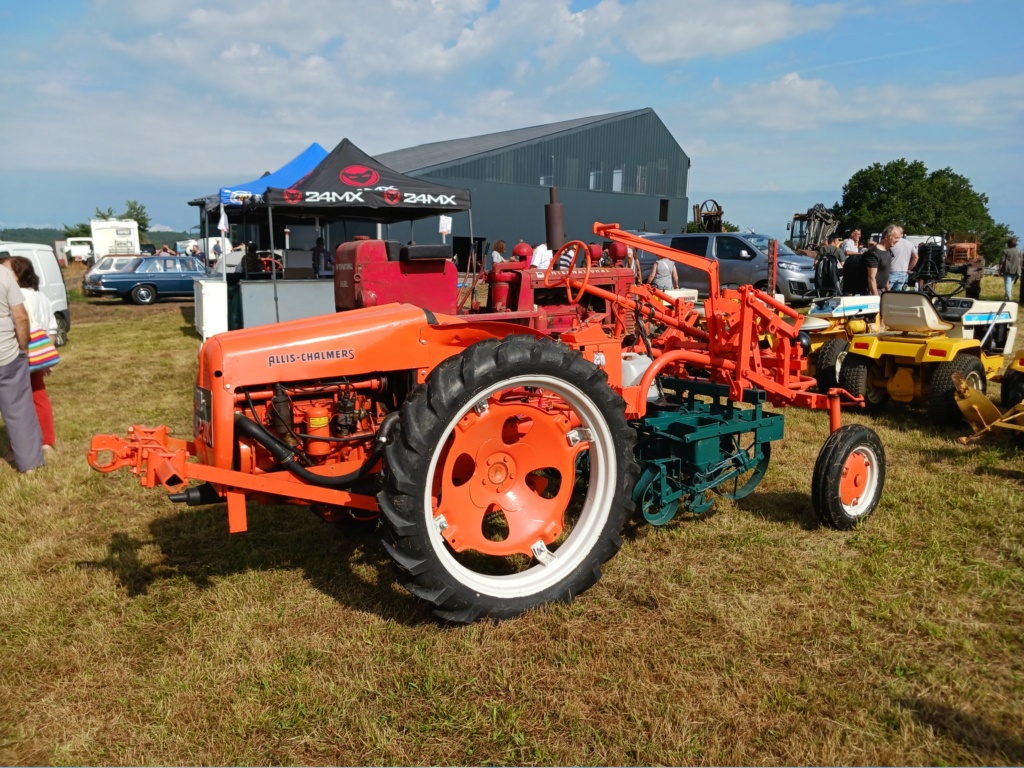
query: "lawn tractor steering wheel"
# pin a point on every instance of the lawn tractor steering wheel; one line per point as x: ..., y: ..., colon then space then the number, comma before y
x: 548, y: 283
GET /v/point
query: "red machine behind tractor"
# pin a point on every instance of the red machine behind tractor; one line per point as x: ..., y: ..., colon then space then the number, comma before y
x: 503, y: 446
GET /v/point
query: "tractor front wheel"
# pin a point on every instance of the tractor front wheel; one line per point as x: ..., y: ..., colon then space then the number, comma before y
x: 507, y: 482
x: 829, y: 362
x: 942, y: 407
x: 848, y: 477
x: 860, y: 375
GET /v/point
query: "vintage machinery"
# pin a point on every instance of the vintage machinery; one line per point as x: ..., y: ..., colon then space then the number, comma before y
x: 919, y: 350
x: 830, y: 324
x: 504, y: 446
x: 809, y: 231
x: 982, y: 414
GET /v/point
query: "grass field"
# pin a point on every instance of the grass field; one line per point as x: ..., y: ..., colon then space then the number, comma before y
x: 137, y: 631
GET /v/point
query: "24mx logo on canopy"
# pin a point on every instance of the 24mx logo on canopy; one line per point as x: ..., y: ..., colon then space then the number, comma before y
x: 358, y: 176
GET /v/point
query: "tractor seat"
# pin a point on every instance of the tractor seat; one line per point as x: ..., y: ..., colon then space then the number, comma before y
x: 910, y: 313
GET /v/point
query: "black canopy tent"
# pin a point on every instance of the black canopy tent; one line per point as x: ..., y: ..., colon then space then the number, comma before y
x: 348, y: 184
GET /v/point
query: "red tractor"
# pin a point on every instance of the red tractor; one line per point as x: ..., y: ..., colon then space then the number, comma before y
x: 503, y: 446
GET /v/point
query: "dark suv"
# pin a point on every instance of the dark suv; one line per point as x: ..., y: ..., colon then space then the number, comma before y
x: 742, y: 260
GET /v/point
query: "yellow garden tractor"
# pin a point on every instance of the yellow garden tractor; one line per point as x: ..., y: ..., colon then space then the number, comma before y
x: 830, y: 324
x: 918, y: 352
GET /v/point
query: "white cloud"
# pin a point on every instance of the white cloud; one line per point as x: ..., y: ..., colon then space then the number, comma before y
x: 660, y: 31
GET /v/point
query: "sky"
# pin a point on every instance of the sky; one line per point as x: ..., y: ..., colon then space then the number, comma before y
x: 777, y: 102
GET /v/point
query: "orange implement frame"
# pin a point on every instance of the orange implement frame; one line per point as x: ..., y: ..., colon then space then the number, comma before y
x: 160, y: 460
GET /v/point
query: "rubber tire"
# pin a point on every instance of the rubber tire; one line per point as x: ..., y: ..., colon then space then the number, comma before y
x: 1012, y: 389
x: 827, y: 477
x: 853, y: 377
x: 427, y: 567
x: 829, y: 359
x: 942, y: 407
x: 143, y: 294
x: 62, y: 331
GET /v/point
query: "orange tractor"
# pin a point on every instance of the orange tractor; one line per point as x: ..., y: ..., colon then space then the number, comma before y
x: 503, y: 448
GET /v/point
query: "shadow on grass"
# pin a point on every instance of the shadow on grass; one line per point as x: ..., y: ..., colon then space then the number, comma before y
x: 788, y: 507
x: 352, y: 569
x: 968, y: 730
x: 188, y: 316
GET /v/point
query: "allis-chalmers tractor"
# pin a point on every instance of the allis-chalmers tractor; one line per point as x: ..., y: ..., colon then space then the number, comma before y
x: 503, y: 447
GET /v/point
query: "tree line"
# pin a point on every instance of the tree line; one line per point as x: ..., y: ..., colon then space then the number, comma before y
x: 937, y: 203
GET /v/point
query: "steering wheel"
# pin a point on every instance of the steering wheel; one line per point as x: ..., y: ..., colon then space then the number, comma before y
x: 548, y: 283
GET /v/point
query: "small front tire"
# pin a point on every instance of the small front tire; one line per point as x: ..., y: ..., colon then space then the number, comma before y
x: 859, y: 375
x: 848, y: 477
x: 829, y: 363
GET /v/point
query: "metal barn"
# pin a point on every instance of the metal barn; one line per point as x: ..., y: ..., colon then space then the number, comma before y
x: 622, y: 167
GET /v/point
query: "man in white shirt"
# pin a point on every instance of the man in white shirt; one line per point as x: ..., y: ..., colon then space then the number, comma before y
x: 904, y: 259
x: 541, y: 257
x: 850, y: 245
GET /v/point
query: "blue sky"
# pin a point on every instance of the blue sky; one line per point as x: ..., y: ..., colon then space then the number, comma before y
x: 777, y: 102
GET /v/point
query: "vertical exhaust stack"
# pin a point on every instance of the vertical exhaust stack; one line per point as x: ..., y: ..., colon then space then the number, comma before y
x: 554, y: 221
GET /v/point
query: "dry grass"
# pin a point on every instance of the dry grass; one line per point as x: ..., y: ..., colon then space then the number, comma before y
x: 135, y: 631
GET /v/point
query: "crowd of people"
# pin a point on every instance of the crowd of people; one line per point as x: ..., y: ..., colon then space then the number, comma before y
x: 844, y: 266
x: 27, y: 322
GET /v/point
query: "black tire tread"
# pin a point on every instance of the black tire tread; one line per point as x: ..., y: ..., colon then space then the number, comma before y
x: 1012, y: 389
x: 825, y: 479
x: 406, y: 458
x: 942, y: 407
x: 825, y: 364
x: 853, y: 377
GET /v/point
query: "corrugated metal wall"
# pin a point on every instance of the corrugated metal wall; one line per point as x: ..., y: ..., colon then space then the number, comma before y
x: 633, y: 156
x: 629, y: 171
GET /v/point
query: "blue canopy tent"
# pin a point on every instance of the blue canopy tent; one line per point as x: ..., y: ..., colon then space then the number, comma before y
x: 285, y: 176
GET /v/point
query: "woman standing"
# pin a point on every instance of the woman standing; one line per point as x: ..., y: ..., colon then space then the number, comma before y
x: 663, y: 275
x: 41, y: 315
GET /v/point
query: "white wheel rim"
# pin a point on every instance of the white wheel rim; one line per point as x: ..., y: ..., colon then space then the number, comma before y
x: 586, y: 530
x: 864, y: 501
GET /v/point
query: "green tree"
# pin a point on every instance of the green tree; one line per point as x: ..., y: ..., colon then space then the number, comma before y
x: 133, y: 210
x: 923, y: 203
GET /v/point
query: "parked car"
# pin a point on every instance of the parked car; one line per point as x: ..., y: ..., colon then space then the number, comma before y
x: 51, y: 281
x: 147, y: 279
x: 109, y: 264
x: 742, y: 260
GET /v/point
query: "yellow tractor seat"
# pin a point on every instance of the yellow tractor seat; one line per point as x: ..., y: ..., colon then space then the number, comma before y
x: 910, y: 313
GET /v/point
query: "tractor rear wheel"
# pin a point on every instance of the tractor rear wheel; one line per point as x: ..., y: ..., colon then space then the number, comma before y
x: 1012, y: 389
x: 485, y: 509
x: 848, y: 477
x: 942, y: 407
x: 829, y: 362
x: 860, y: 375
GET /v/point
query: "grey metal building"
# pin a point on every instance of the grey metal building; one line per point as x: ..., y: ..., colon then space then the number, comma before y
x: 622, y: 167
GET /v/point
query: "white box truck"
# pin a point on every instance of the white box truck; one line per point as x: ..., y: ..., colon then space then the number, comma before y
x: 114, y: 236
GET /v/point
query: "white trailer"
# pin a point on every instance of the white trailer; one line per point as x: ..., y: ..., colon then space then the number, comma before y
x: 114, y: 236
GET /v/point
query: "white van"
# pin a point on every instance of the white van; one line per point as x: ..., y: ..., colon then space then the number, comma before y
x: 51, y: 281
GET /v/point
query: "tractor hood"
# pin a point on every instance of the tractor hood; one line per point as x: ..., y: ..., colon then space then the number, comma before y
x: 329, y: 346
